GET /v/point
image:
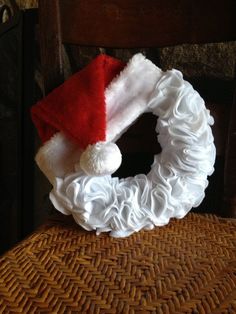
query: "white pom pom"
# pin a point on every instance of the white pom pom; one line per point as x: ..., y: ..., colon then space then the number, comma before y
x: 102, y: 158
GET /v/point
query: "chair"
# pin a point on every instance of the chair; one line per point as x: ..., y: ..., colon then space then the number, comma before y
x: 112, y: 24
x: 187, y: 266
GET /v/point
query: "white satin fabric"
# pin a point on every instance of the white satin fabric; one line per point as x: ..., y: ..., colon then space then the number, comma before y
x: 177, y: 179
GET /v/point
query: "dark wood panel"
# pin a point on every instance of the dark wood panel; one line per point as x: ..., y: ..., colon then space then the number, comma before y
x: 10, y: 46
x: 50, y: 44
x: 16, y: 129
x: 230, y: 165
x: 114, y: 23
x: 26, y: 129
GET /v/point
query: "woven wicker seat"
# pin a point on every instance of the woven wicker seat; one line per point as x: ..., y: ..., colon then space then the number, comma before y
x: 188, y: 266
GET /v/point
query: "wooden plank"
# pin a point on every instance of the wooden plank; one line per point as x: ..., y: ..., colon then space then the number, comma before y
x: 10, y: 133
x: 26, y: 132
x: 107, y: 23
x: 230, y: 166
x: 50, y: 41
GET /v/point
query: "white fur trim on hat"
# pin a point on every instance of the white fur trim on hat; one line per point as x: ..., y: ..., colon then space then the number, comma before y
x: 57, y: 157
x: 128, y: 95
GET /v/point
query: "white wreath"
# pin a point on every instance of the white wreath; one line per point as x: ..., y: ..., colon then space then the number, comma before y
x: 178, y: 176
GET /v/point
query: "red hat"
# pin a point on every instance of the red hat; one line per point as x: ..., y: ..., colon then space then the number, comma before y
x: 77, y: 107
x: 88, y: 112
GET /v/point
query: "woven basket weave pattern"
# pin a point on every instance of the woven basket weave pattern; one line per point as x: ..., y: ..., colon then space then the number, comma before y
x: 189, y: 266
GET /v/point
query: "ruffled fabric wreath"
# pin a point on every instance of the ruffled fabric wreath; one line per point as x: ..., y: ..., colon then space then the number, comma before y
x: 81, y: 174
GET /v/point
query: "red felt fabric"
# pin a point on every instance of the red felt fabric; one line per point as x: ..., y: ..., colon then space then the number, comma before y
x: 77, y: 107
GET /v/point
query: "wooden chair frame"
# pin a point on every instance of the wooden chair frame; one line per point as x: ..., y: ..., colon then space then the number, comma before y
x: 106, y: 23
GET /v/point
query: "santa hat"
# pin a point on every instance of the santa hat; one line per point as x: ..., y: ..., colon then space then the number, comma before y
x: 79, y: 121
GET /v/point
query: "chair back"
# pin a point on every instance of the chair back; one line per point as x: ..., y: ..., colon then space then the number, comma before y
x: 110, y: 24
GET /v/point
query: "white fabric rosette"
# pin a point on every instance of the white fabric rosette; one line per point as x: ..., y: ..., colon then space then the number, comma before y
x: 178, y: 176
